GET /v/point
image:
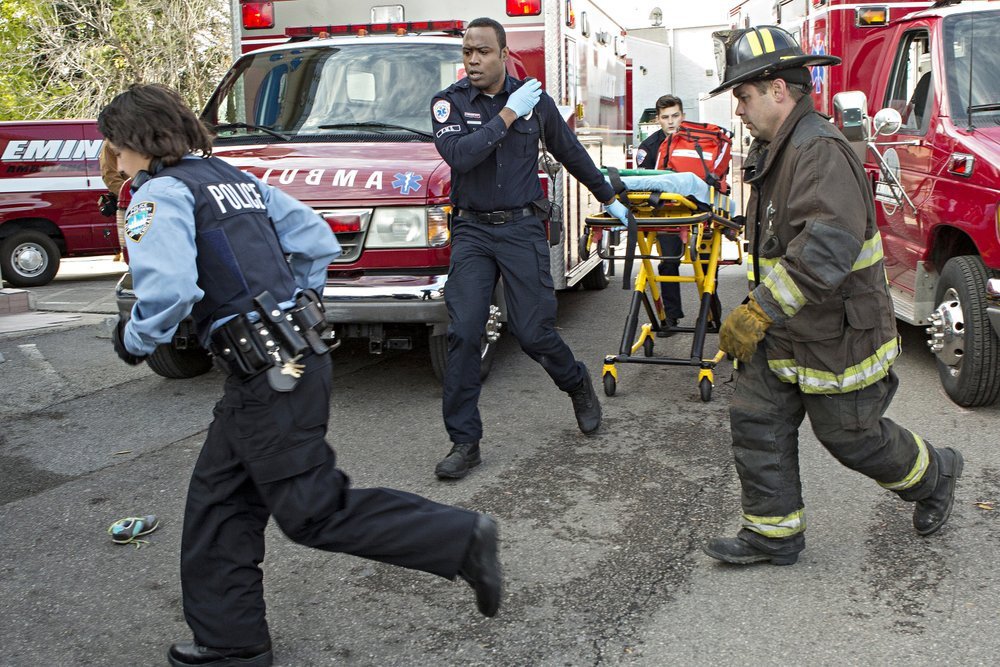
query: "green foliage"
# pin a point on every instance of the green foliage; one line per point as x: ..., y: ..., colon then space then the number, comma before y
x: 68, y: 58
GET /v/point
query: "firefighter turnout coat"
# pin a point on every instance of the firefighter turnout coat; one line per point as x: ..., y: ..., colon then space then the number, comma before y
x: 817, y: 255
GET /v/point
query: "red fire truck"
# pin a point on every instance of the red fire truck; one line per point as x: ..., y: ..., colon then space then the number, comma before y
x: 50, y: 181
x: 919, y: 93
x: 332, y: 104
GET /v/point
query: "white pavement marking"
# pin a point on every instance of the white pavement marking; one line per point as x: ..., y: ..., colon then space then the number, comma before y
x: 31, y: 351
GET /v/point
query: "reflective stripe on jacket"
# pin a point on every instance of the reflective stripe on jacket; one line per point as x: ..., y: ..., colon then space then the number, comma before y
x: 819, y: 253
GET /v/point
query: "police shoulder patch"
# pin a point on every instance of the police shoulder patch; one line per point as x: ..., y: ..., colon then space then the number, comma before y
x: 441, y: 109
x: 140, y: 217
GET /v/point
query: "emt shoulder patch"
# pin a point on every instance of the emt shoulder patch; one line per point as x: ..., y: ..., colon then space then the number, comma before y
x: 442, y: 109
x: 140, y: 217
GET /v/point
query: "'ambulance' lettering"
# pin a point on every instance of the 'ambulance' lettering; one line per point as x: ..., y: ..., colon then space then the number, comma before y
x: 344, y: 178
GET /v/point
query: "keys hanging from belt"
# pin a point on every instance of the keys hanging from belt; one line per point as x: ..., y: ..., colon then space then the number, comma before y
x: 283, y: 341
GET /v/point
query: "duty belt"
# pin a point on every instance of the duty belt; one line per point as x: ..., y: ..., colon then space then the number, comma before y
x: 275, y: 343
x: 495, y: 217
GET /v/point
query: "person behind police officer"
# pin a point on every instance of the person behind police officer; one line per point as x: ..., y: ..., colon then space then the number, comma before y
x: 817, y: 335
x: 486, y: 127
x: 670, y: 115
x: 114, y: 178
x: 204, y: 240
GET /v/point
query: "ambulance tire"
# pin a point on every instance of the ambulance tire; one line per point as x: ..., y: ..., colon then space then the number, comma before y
x: 439, y: 356
x: 598, y: 277
x: 29, y: 258
x: 169, y: 362
x: 973, y: 379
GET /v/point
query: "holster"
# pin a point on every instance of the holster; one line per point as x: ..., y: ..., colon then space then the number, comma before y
x: 275, y: 343
x: 549, y: 214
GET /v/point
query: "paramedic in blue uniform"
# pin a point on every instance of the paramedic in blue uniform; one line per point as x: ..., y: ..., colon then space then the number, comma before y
x: 204, y: 240
x: 486, y: 128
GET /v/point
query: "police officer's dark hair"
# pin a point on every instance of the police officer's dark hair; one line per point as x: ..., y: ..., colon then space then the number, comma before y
x: 667, y: 101
x: 484, y: 22
x: 154, y: 121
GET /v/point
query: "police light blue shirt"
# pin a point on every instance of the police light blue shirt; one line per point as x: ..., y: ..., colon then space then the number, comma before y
x: 162, y: 261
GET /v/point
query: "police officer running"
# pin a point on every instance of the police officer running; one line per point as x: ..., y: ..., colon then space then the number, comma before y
x: 817, y: 334
x: 209, y: 241
x: 487, y: 129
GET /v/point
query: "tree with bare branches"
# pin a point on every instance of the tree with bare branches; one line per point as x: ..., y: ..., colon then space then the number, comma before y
x: 68, y: 58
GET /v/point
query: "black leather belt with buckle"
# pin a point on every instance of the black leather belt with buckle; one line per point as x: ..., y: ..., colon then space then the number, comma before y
x: 495, y: 217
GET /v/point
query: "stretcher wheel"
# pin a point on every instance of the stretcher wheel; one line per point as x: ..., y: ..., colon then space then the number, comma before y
x: 609, y: 384
x: 647, y: 347
x: 705, y: 387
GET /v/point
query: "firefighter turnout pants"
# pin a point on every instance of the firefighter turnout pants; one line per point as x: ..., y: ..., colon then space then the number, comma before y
x: 765, y: 415
x: 266, y: 455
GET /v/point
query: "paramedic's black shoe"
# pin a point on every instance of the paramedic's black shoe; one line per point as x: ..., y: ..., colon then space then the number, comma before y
x: 463, y: 457
x: 931, y: 512
x: 481, y: 567
x: 585, y: 404
x: 739, y: 552
x: 667, y: 328
x: 187, y: 654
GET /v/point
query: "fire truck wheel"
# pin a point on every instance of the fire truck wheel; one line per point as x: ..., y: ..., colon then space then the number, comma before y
x: 597, y: 278
x: 169, y: 362
x: 960, y: 335
x: 29, y: 258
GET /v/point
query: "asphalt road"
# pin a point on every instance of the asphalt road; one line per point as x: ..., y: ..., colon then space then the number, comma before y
x: 601, y: 536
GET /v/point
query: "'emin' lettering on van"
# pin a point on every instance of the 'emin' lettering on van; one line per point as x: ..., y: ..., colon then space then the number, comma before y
x: 35, y: 150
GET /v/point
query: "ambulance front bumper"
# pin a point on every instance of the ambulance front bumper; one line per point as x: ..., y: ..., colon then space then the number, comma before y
x: 386, y: 299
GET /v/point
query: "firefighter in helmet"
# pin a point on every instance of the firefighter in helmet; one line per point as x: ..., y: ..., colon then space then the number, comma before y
x: 817, y: 334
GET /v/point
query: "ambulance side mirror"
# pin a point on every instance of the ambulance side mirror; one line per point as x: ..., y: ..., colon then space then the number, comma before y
x: 850, y: 114
x: 887, y: 121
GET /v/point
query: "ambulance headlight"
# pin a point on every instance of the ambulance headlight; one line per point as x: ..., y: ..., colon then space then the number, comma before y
x: 408, y: 227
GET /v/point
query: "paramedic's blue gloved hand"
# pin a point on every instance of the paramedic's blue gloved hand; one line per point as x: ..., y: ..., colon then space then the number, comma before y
x: 524, y: 99
x: 617, y: 209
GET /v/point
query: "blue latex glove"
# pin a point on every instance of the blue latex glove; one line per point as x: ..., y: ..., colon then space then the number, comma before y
x: 524, y: 99
x: 617, y: 209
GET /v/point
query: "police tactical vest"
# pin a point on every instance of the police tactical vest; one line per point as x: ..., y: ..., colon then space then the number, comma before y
x: 239, y: 255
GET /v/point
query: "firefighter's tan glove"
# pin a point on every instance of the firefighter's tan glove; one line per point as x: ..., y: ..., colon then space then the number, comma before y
x: 743, y: 330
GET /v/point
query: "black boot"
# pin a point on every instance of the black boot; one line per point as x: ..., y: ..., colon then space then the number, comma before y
x: 481, y: 567
x: 186, y: 654
x: 462, y: 457
x: 740, y: 552
x: 931, y: 512
x: 585, y: 405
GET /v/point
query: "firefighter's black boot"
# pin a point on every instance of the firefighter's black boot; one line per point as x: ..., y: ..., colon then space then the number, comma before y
x: 740, y: 552
x: 931, y: 512
x: 481, y: 567
x: 585, y: 405
x: 463, y: 457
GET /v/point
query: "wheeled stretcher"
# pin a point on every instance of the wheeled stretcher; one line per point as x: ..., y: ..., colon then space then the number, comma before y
x: 671, y: 203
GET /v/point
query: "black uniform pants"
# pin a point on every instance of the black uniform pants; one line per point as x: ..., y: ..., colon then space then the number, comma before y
x: 266, y: 455
x: 765, y: 415
x: 672, y: 246
x: 480, y: 254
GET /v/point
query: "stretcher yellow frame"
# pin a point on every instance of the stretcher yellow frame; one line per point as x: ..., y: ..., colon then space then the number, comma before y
x: 654, y: 213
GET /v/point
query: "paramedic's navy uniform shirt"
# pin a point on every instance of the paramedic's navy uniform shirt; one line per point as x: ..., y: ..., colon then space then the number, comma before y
x: 494, y: 168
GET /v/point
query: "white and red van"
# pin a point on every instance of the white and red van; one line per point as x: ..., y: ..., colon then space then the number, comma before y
x: 50, y: 181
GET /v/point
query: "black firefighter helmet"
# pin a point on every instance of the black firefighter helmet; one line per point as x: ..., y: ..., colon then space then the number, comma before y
x: 759, y: 53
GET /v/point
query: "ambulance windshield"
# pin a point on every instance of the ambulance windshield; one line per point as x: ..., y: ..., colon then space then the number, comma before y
x: 972, y: 61
x: 334, y: 91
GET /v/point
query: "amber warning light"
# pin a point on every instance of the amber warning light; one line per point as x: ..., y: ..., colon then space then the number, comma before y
x: 257, y: 15
x: 870, y: 17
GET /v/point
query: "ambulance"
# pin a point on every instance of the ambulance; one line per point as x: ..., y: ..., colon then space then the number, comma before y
x: 50, y: 181
x: 918, y: 94
x: 331, y: 103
